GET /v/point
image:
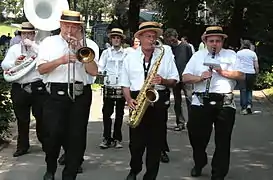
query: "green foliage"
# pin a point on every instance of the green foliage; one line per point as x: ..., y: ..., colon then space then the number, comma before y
x: 6, y: 112
x: 265, y: 80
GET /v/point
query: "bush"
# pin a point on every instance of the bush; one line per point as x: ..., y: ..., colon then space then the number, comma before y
x: 6, y: 112
x: 264, y: 80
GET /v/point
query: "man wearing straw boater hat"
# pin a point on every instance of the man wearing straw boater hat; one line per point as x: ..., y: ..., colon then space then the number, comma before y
x: 28, y: 92
x: 214, y: 72
x: 150, y: 133
x: 66, y: 106
x: 110, y: 64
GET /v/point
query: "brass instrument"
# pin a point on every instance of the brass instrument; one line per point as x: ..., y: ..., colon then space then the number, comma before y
x: 84, y: 55
x: 43, y: 15
x: 147, y: 95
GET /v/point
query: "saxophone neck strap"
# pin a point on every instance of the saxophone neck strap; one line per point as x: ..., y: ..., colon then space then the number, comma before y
x: 146, y: 68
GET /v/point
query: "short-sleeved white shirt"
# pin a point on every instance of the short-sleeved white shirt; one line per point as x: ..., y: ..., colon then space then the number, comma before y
x: 52, y: 48
x: 132, y: 75
x: 219, y: 84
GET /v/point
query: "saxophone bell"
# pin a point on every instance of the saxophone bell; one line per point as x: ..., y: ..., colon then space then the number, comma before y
x: 152, y: 95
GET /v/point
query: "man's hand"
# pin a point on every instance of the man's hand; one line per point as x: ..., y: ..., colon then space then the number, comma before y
x: 28, y: 42
x: 68, y: 57
x: 205, y: 75
x: 20, y: 59
x: 132, y: 104
x: 157, y: 79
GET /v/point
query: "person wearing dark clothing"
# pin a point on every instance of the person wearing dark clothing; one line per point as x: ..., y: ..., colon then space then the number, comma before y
x: 182, y: 53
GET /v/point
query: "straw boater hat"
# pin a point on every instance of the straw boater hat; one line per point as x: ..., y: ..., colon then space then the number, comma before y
x: 116, y: 32
x: 149, y: 26
x: 213, y: 31
x: 71, y: 17
x: 26, y: 27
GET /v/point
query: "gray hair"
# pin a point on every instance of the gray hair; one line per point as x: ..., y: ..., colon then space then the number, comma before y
x: 245, y: 44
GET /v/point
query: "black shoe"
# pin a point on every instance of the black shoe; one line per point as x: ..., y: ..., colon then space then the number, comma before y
x: 20, y: 152
x: 105, y: 144
x: 217, y: 178
x: 61, y: 160
x: 179, y: 127
x: 164, y: 157
x: 131, y: 176
x: 196, y: 172
x: 80, y: 170
x: 49, y: 176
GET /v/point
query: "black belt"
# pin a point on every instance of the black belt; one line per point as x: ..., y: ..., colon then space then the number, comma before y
x: 215, y: 98
x: 160, y: 92
x: 39, y: 82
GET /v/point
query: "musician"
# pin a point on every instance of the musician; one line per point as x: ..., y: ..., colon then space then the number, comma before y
x: 27, y: 93
x: 182, y: 53
x: 110, y: 63
x: 65, y: 116
x: 150, y: 133
x: 87, y: 89
x: 215, y: 108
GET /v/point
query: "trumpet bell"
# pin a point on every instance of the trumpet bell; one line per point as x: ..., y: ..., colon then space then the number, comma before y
x: 85, y: 55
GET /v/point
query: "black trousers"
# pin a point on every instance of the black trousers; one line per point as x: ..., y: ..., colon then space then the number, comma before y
x: 65, y: 123
x: 107, y: 111
x: 149, y: 135
x: 187, y: 89
x: 167, y: 105
x: 23, y: 102
x: 88, y: 94
x: 200, y: 124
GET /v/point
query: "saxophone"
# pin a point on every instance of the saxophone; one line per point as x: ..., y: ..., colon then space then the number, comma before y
x: 147, y: 95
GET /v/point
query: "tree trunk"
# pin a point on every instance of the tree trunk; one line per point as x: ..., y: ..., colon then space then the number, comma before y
x: 236, y: 26
x: 134, y: 9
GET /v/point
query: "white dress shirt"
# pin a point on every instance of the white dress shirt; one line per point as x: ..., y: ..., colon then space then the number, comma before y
x: 132, y: 75
x: 219, y: 84
x: 111, y: 61
x: 52, y: 48
x: 9, y: 61
x: 96, y: 49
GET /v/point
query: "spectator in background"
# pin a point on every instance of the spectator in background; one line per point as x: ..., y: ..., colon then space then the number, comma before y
x: 185, y: 40
x: 135, y: 45
x: 249, y: 62
x: 16, y: 39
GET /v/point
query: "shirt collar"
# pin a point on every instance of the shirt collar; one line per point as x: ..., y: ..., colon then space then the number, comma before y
x: 218, y: 54
x: 120, y: 50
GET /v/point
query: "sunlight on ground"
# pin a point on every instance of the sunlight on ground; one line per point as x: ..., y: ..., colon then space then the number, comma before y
x: 5, y: 29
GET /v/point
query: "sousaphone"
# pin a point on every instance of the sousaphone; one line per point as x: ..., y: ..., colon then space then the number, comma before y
x: 44, y: 15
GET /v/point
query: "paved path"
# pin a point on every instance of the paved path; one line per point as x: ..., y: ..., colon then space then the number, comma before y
x: 251, y: 157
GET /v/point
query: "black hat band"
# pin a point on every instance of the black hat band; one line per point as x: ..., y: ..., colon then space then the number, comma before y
x: 214, y: 32
x: 149, y: 26
x: 28, y: 28
x: 117, y: 32
x: 70, y: 18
